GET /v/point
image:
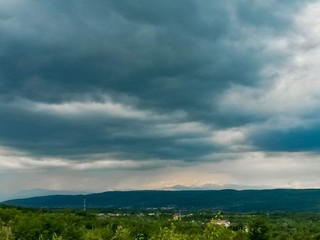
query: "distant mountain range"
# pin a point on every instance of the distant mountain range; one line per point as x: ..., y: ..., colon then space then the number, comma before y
x: 36, y: 192
x: 215, y: 187
x: 284, y: 200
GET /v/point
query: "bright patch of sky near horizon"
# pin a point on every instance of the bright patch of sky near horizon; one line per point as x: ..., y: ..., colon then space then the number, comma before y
x: 152, y: 94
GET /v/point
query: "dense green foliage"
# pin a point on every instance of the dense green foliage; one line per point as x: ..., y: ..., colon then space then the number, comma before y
x: 29, y: 224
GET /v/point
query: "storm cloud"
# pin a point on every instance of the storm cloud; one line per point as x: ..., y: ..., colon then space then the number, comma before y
x: 147, y: 85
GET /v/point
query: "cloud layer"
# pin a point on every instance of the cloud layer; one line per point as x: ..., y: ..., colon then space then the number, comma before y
x: 152, y: 86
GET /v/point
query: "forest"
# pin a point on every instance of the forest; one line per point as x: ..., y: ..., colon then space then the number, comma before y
x: 154, y: 224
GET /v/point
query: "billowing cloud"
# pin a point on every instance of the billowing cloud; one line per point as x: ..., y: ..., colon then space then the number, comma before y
x: 155, y: 86
x: 288, y: 105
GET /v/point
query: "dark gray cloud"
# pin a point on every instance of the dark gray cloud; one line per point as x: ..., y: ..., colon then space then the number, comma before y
x: 157, y: 56
x: 258, y: 14
x: 126, y: 48
x: 288, y: 140
x: 78, y: 137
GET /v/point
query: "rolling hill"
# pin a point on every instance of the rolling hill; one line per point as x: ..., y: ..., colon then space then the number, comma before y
x: 291, y: 200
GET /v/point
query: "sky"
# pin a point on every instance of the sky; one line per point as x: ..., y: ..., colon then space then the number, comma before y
x: 118, y: 95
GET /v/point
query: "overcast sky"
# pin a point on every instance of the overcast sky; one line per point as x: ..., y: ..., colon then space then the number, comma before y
x: 108, y: 94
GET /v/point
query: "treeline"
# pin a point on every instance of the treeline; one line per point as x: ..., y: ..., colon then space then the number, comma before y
x: 29, y: 224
